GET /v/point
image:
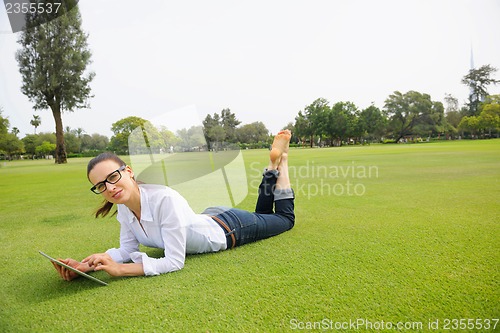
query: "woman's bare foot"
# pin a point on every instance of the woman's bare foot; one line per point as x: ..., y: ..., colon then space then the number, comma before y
x: 280, y: 146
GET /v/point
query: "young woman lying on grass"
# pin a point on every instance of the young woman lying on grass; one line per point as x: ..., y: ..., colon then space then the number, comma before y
x: 157, y: 216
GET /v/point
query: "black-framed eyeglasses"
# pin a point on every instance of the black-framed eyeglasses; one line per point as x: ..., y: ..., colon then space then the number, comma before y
x: 112, y: 178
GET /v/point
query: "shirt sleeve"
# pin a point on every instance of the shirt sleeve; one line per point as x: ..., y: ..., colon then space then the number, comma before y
x: 128, y: 243
x: 172, y: 213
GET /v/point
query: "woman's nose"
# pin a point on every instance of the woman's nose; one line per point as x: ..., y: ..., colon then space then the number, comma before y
x: 110, y: 187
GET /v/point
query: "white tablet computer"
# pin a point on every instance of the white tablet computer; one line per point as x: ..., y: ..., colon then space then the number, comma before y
x: 90, y: 277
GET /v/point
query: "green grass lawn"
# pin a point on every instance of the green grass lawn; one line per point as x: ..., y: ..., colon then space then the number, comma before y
x: 392, y: 233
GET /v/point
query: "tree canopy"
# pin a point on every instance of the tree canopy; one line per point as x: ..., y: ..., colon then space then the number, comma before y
x: 35, y: 122
x: 252, y: 133
x: 122, y: 130
x: 405, y: 111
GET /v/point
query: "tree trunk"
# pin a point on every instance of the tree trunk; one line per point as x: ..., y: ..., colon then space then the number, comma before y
x: 400, y: 136
x: 60, y: 157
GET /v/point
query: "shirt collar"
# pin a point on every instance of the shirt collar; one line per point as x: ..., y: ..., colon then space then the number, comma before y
x: 146, y: 214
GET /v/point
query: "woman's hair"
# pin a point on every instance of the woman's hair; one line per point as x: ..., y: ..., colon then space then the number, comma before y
x: 106, y: 205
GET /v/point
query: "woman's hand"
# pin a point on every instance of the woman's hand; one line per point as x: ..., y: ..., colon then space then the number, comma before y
x: 95, y: 259
x: 104, y: 262
x: 67, y: 274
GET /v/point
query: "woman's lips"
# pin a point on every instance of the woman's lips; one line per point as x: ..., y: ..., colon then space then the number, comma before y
x: 117, y: 194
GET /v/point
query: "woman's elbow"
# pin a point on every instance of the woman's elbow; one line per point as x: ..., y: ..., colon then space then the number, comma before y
x: 176, y: 265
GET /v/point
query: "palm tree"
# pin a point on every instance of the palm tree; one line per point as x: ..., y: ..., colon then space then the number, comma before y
x: 79, y: 131
x: 35, y: 122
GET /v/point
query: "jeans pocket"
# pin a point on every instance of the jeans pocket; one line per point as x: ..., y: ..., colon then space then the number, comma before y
x: 245, y: 225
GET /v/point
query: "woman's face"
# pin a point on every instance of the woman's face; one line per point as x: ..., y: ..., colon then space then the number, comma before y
x: 119, y: 192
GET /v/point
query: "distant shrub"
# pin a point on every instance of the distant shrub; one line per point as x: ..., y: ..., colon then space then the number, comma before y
x: 258, y: 145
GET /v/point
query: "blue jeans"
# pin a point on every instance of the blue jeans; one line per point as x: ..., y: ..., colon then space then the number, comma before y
x: 249, y: 227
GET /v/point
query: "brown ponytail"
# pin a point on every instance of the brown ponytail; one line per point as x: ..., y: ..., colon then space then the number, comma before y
x: 105, y: 209
x: 106, y: 205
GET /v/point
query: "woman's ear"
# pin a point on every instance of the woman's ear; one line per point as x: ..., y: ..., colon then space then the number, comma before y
x: 130, y: 172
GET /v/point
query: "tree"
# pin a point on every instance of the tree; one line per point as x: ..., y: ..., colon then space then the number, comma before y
x: 168, y: 137
x: 302, y: 127
x: 252, y: 133
x: 9, y: 142
x: 451, y: 103
x: 15, y: 131
x: 405, y: 111
x: 452, y: 115
x: 478, y: 80
x: 4, y: 124
x: 79, y: 132
x: 313, y: 119
x: 192, y: 138
x: 145, y: 139
x: 45, y: 148
x: 216, y: 135
x: 11, y: 145
x: 72, y: 142
x: 469, y: 124
x: 212, y: 129
x: 432, y: 122
x: 52, y: 62
x: 453, y: 118
x: 229, y: 124
x: 490, y: 101
x: 220, y: 128
x: 95, y: 142
x: 49, y: 137
x: 372, y: 122
x: 30, y: 142
x: 35, y: 122
x: 341, y: 122
x: 489, y: 118
x: 122, y: 130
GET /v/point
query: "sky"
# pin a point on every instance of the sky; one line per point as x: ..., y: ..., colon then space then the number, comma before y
x: 264, y: 60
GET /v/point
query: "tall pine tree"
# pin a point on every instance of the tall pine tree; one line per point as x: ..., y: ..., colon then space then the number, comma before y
x: 52, y: 62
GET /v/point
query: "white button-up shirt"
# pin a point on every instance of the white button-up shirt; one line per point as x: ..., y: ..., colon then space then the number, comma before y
x: 167, y: 222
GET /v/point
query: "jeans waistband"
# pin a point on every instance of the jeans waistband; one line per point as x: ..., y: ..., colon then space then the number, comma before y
x: 227, y: 230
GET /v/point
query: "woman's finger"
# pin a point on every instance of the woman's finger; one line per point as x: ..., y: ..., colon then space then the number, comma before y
x: 58, y: 269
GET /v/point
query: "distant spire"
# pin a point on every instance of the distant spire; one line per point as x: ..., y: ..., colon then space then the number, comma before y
x: 473, y: 98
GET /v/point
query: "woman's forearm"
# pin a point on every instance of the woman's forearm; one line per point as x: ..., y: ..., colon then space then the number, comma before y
x: 133, y: 269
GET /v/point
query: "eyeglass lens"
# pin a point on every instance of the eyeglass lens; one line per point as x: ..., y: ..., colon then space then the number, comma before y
x: 112, y: 179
